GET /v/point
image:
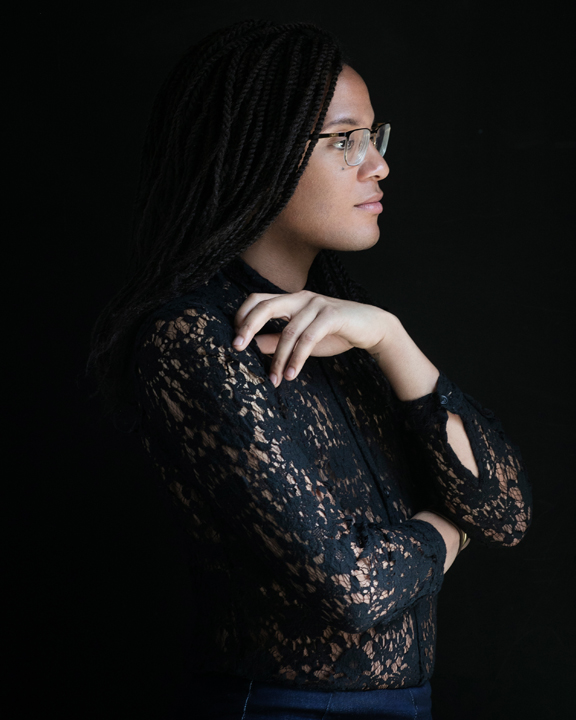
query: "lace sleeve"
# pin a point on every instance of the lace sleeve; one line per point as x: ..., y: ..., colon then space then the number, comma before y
x: 219, y: 437
x: 495, y: 507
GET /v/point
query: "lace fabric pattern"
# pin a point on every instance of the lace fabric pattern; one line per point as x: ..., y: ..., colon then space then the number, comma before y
x: 296, y: 501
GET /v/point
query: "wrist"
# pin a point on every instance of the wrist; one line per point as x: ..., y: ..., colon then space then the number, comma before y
x: 464, y: 539
x: 408, y: 370
x: 391, y: 328
x: 447, y: 530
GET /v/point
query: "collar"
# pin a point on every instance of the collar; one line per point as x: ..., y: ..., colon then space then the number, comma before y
x: 250, y: 280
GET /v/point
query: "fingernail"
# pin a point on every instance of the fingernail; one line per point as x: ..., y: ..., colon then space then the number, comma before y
x: 238, y: 340
x: 274, y: 379
x: 290, y: 373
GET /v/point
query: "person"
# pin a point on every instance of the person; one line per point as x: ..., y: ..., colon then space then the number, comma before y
x: 325, y: 471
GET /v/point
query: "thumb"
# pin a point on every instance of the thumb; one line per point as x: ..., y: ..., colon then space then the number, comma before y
x: 267, y: 343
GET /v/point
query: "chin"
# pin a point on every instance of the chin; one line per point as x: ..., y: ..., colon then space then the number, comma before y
x: 367, y: 240
x: 357, y: 239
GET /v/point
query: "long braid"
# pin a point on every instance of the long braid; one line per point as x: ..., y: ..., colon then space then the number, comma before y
x: 226, y: 145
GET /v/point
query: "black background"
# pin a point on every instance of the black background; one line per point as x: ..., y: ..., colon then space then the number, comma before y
x: 474, y: 256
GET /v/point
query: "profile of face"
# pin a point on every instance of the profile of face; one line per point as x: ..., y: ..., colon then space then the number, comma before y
x: 325, y: 211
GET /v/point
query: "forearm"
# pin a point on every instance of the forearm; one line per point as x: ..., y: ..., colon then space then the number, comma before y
x: 412, y: 375
x: 408, y: 370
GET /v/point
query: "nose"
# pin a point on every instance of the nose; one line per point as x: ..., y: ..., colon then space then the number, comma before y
x: 373, y: 166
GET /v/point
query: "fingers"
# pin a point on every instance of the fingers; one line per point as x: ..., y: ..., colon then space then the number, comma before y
x: 248, y: 305
x: 267, y: 343
x: 307, y: 341
x: 258, y: 308
x: 295, y: 344
x: 246, y: 328
x: 310, y: 317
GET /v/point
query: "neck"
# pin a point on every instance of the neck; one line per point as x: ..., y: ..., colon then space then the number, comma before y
x: 286, y: 264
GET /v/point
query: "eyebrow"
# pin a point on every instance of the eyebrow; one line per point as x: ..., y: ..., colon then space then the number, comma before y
x: 341, y: 121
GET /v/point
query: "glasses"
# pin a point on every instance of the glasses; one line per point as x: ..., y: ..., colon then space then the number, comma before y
x: 355, y: 142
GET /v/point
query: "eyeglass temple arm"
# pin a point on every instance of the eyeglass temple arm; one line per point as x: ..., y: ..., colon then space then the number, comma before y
x: 373, y: 129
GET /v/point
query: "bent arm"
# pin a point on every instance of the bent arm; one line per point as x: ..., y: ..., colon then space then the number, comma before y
x: 476, y: 473
x: 412, y: 375
x: 227, y: 455
x: 496, y: 506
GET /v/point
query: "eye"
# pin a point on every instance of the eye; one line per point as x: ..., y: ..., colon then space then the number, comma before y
x: 343, y: 142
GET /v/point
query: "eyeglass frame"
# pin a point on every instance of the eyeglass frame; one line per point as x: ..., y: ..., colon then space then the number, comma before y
x: 373, y: 130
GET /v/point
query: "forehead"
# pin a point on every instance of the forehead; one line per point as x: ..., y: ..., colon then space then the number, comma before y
x: 351, y: 99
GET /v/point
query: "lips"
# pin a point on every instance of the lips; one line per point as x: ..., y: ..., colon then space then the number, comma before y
x: 372, y: 204
x: 369, y: 201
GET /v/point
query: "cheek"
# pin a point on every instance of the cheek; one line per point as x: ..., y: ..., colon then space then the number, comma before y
x: 320, y: 193
x: 304, y: 206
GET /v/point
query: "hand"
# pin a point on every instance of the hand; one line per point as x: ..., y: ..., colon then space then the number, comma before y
x: 450, y: 535
x: 318, y: 326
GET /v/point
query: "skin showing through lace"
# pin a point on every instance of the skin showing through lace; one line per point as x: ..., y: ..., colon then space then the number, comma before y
x: 283, y: 492
x: 306, y: 440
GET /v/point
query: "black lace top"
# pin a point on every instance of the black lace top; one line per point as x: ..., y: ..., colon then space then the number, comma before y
x: 307, y: 569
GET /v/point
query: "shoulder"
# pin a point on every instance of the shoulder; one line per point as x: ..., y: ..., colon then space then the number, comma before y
x: 194, y: 332
x: 186, y: 348
x: 202, y: 318
x: 191, y: 324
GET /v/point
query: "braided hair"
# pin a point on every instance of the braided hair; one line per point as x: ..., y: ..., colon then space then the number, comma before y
x: 224, y: 150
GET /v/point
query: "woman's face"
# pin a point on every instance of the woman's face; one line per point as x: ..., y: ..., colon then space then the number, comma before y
x: 326, y: 208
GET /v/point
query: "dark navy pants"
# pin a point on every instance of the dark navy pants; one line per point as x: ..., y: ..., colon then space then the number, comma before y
x: 214, y: 697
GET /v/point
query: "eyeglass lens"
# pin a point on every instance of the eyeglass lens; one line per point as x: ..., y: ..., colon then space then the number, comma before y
x: 358, y: 144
